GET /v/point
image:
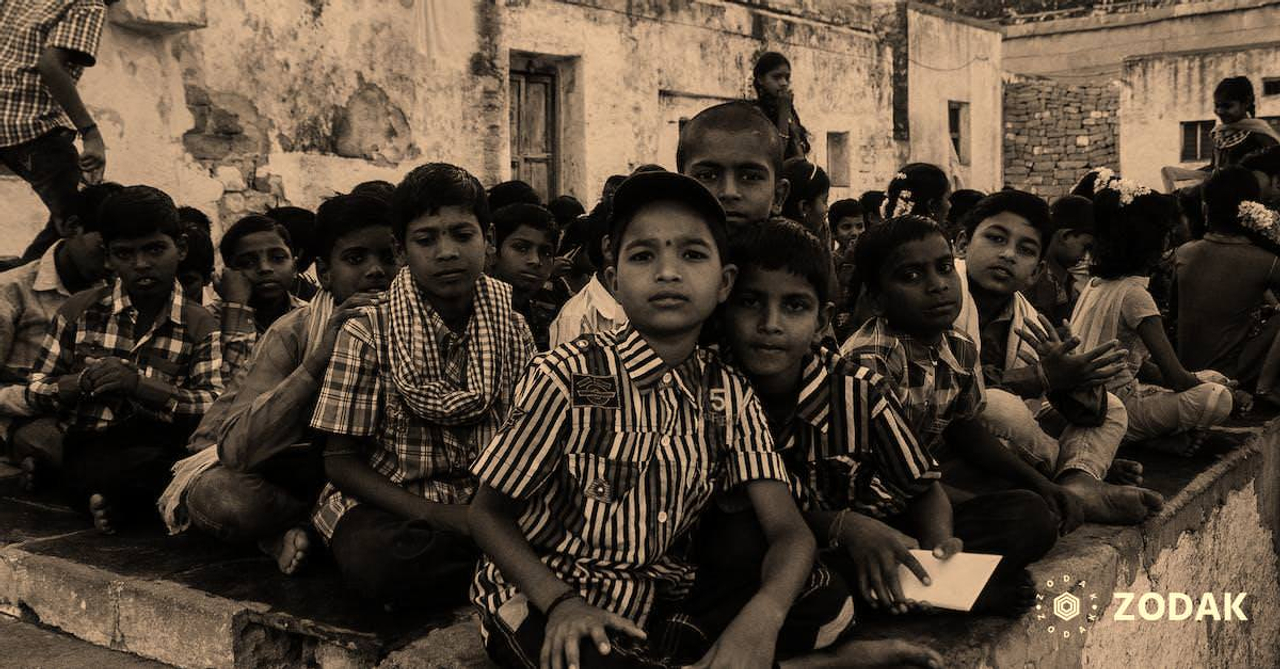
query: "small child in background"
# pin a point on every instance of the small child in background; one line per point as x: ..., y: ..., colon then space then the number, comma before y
x: 525, y: 237
x: 1055, y: 293
x: 195, y: 272
x: 961, y: 202
x: 872, y: 202
x: 846, y: 222
x: 807, y: 194
x: 512, y: 192
x: 192, y: 216
x: 128, y: 359
x: 919, y: 189
x: 301, y: 225
x: 736, y: 153
x: 1162, y: 398
x: 254, y: 287
x: 592, y: 309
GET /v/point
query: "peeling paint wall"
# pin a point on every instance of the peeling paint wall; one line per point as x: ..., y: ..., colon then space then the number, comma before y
x: 1161, y: 92
x: 234, y: 106
x: 951, y: 61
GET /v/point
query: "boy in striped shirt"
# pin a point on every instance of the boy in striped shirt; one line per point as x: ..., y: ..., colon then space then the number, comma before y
x: 615, y: 445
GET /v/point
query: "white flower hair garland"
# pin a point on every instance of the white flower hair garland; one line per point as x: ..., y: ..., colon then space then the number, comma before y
x: 1255, y: 216
x: 1128, y: 190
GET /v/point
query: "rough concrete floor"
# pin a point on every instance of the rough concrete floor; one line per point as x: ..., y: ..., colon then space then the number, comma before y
x: 33, y: 647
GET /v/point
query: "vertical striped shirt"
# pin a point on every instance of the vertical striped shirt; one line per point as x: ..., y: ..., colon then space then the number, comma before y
x: 935, y: 383
x: 357, y: 398
x: 848, y: 445
x: 27, y: 27
x: 615, y: 455
x: 181, y: 349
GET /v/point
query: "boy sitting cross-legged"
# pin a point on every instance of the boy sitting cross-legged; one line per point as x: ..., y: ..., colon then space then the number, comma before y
x: 933, y: 370
x: 1045, y: 398
x: 415, y: 387
x: 615, y: 446
x: 128, y: 368
x: 257, y: 473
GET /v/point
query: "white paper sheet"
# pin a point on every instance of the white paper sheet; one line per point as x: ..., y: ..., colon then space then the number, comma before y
x: 956, y: 581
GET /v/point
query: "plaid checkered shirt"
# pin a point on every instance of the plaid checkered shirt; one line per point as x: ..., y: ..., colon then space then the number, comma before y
x: 935, y: 384
x: 848, y: 446
x: 240, y: 331
x: 614, y: 456
x: 180, y: 350
x: 27, y: 28
x: 358, y: 399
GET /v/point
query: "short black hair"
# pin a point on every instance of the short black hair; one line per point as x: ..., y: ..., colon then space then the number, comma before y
x: 427, y: 188
x: 1223, y: 192
x: 1072, y: 213
x: 847, y: 208
x: 344, y: 214
x: 509, y: 218
x: 377, y: 188
x: 566, y: 209
x: 138, y: 211
x: 253, y: 223
x: 927, y: 185
x: 962, y: 201
x: 199, y: 256
x: 1027, y: 205
x: 1265, y: 160
x: 301, y: 224
x: 89, y: 204
x: 733, y: 117
x: 872, y: 202
x: 1128, y: 238
x: 807, y: 180
x: 876, y: 245
x: 782, y: 244
x: 1237, y: 89
x: 512, y: 192
x: 1088, y: 185
x: 193, y: 216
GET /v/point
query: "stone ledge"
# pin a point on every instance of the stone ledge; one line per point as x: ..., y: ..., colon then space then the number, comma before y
x: 192, y: 603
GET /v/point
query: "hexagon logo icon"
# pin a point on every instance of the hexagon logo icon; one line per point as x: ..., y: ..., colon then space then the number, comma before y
x: 1066, y: 606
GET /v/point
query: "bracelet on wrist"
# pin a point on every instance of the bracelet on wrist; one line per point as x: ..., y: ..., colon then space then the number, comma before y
x: 564, y: 597
x: 837, y: 525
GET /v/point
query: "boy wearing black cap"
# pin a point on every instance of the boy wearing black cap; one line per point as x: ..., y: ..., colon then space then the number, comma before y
x: 614, y: 448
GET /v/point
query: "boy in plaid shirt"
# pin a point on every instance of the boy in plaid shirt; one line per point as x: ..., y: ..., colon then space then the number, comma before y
x: 415, y: 387
x: 934, y: 372
x: 130, y: 358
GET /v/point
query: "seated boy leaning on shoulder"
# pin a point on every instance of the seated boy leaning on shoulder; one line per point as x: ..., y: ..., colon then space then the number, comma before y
x: 615, y: 446
x: 857, y: 471
x: 127, y: 359
x: 1045, y: 399
x: 933, y: 371
x: 256, y: 472
x: 525, y: 238
x: 415, y: 387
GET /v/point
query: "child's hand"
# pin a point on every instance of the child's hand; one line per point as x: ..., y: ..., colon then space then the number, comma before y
x: 1064, y: 504
x: 1065, y: 370
x: 948, y: 547
x: 109, y: 375
x: 318, y: 359
x: 749, y: 641
x: 877, y: 550
x: 232, y: 285
x: 573, y: 620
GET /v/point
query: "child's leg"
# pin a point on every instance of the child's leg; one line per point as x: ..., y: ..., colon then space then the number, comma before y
x: 1167, y: 412
x: 1091, y: 449
x: 1266, y: 384
x: 388, y: 559
x: 128, y: 472
x: 1016, y: 525
x: 1011, y: 421
x: 37, y: 447
x: 513, y: 638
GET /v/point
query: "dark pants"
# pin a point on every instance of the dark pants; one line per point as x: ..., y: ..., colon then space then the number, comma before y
x: 238, y: 507
x: 730, y: 550
x: 129, y: 464
x: 51, y: 164
x: 390, y: 560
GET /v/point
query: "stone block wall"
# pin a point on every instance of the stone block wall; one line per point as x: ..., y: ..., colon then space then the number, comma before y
x: 1054, y: 132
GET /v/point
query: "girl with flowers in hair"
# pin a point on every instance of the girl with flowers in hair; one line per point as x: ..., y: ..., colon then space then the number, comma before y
x: 920, y: 189
x: 1223, y: 280
x: 1163, y: 398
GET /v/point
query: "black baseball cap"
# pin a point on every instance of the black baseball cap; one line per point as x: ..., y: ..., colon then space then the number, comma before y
x: 645, y: 188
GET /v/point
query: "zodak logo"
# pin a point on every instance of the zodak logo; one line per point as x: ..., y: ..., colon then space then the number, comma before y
x: 1068, y: 608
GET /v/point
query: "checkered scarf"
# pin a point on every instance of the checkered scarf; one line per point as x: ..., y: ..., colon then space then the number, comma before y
x: 417, y: 368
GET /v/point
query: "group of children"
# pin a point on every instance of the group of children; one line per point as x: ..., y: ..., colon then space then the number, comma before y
x: 703, y: 424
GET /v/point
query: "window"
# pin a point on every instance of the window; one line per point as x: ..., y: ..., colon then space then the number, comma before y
x: 1197, y: 144
x: 1270, y: 86
x: 958, y: 127
x: 534, y: 134
x: 838, y: 158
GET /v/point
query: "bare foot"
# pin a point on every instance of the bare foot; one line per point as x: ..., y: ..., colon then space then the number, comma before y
x: 101, y: 510
x: 1112, y: 504
x: 1125, y: 472
x: 30, y: 474
x: 289, y: 549
x: 871, y: 653
x: 1010, y: 596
